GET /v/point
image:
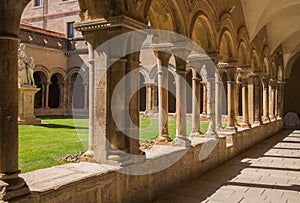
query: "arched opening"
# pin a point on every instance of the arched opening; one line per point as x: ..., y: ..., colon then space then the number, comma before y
x: 226, y: 48
x: 55, y: 91
x: 78, y: 91
x: 142, y: 93
x: 292, y: 99
x: 40, y: 80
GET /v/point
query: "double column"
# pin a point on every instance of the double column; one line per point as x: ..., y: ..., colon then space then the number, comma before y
x: 265, y: 79
x: 272, y: 99
x: 244, y: 73
x: 231, y: 95
x: 163, y: 63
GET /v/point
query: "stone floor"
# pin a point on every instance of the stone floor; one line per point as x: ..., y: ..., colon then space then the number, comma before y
x: 269, y: 172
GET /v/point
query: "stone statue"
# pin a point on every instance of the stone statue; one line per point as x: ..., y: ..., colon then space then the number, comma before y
x: 25, y: 67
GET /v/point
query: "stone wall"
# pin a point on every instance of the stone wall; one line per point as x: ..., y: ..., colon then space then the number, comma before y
x: 87, y: 182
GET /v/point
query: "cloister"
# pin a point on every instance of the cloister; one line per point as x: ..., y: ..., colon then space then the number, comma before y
x: 248, y: 52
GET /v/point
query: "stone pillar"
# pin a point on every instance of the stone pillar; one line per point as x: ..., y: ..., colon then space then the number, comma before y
x: 86, y: 98
x: 47, y: 95
x: 266, y: 118
x: 181, y: 135
x: 231, y: 87
x: 11, y: 185
x: 272, y: 90
x: 219, y: 101
x: 116, y: 102
x: 43, y: 94
x: 244, y: 73
x: 149, y: 98
x: 163, y: 63
x: 195, y: 103
x: 255, y: 100
x: 280, y: 86
x: 211, y: 115
x: 62, y: 95
x: 204, y: 98
x: 90, y: 154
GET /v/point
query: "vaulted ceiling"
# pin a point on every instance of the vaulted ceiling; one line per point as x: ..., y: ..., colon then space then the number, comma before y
x: 282, y: 20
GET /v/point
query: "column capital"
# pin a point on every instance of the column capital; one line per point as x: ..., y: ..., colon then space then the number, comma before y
x: 244, y: 72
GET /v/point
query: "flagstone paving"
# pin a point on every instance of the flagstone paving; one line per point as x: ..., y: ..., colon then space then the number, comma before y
x: 268, y: 172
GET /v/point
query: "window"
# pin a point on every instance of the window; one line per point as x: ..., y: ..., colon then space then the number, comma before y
x: 37, y: 3
x: 70, y: 30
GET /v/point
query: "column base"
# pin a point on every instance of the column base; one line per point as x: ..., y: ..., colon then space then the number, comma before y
x: 245, y: 125
x: 12, y: 187
x: 196, y: 134
x: 230, y: 129
x: 182, y: 141
x: 88, y: 157
x: 123, y: 159
x: 211, y: 134
x: 256, y: 123
x: 163, y: 140
x: 266, y: 119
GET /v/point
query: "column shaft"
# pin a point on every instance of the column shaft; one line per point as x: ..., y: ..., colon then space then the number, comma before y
x: 195, y: 105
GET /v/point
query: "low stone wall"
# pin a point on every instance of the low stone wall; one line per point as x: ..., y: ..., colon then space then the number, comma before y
x: 87, y: 182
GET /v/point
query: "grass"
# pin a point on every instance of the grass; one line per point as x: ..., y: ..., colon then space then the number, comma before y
x: 41, y: 146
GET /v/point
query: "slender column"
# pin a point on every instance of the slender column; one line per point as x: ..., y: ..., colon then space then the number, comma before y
x: 244, y: 75
x: 280, y: 98
x: 211, y: 132
x: 196, y: 106
x: 163, y: 63
x: 154, y: 98
x: 276, y: 101
x: 231, y: 71
x: 62, y: 95
x: 11, y: 185
x: 89, y: 155
x: 43, y: 94
x: 272, y: 89
x: 181, y: 135
x: 204, y: 98
x: 86, y: 98
x: 219, y: 87
x: 256, y: 100
x: 47, y: 95
x: 266, y: 118
x: 148, y: 98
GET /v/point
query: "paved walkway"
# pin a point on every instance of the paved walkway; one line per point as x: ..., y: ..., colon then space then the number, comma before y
x: 269, y: 172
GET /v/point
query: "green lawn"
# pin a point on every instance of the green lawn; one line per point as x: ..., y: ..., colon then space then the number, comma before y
x: 41, y: 146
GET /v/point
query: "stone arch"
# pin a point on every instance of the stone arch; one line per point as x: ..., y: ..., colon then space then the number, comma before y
x: 255, y: 61
x: 166, y: 15
x: 60, y: 71
x: 203, y: 32
x: 44, y: 70
x: 227, y: 38
x: 244, y: 50
x: 243, y: 58
x: 145, y: 73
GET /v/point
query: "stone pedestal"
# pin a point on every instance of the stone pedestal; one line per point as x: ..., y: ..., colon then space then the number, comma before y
x: 26, y: 106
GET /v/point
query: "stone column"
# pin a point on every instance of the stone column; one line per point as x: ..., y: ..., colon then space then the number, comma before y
x: 244, y: 73
x: 280, y: 85
x: 86, y: 98
x: 62, y: 95
x: 154, y: 98
x: 163, y: 63
x: 181, y: 135
x: 255, y: 99
x: 11, y: 185
x: 266, y: 118
x: 149, y: 96
x: 272, y: 89
x: 231, y: 104
x: 43, y: 94
x: 219, y: 101
x: 204, y: 98
x: 47, y: 95
x: 195, y: 103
